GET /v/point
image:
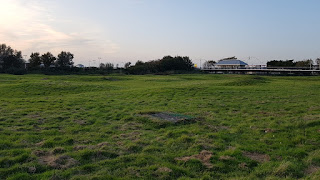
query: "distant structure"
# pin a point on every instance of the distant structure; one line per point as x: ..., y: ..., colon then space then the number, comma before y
x: 80, y: 66
x: 230, y: 63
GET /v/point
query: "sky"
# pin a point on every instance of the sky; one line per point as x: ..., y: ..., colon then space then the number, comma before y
x: 120, y: 31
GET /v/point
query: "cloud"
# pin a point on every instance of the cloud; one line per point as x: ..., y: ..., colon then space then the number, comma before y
x: 32, y: 26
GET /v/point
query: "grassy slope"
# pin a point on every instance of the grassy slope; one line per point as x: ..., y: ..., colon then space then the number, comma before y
x: 269, y: 116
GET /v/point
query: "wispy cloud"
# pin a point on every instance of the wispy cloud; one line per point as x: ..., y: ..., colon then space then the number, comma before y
x: 31, y: 26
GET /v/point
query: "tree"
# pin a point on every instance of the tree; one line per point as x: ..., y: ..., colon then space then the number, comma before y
x: 10, y: 58
x: 107, y: 66
x: 127, y: 65
x: 138, y: 63
x: 102, y: 66
x: 47, y: 59
x: 208, y: 64
x: 188, y: 65
x: 281, y: 63
x: 64, y: 59
x: 35, y: 60
x: 305, y: 63
x: 169, y: 63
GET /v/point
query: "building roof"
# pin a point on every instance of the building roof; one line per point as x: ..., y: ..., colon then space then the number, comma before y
x: 231, y: 62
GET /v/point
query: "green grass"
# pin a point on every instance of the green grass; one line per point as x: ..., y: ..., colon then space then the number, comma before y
x: 91, y: 127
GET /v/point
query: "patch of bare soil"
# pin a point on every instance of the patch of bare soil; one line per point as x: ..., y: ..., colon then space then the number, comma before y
x: 103, y: 144
x: 56, y: 162
x: 232, y: 148
x: 243, y: 165
x: 32, y: 170
x: 164, y: 170
x: 40, y: 143
x: 204, y: 156
x: 268, y: 130
x: 312, y: 169
x: 257, y: 156
x: 80, y: 122
x: 171, y: 117
x: 60, y: 162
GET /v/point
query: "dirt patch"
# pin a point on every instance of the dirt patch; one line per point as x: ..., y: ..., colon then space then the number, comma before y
x: 312, y: 169
x: 80, y: 122
x: 243, y: 165
x: 164, y: 170
x: 103, y: 144
x: 52, y: 160
x: 257, y: 156
x: 40, y: 143
x: 58, y: 162
x: 32, y: 170
x: 268, y: 130
x: 171, y: 117
x: 232, y: 148
x: 204, y: 156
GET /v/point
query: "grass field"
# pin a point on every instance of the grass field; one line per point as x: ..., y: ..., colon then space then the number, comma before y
x: 100, y: 127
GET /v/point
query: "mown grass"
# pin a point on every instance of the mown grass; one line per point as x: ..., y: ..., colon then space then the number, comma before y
x: 91, y: 127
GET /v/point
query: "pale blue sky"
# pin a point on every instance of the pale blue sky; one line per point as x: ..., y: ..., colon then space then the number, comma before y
x: 129, y: 30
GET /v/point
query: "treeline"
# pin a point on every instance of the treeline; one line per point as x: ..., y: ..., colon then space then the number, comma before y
x: 166, y: 64
x: 292, y: 63
x: 11, y: 61
x: 47, y: 60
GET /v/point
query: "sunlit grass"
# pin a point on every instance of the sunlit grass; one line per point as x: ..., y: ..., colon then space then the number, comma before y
x: 86, y: 127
